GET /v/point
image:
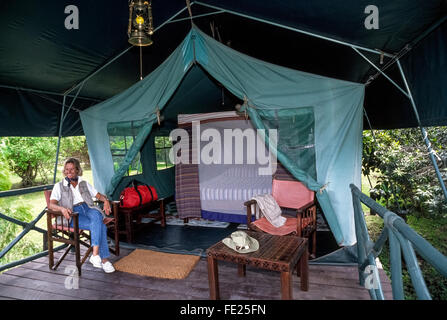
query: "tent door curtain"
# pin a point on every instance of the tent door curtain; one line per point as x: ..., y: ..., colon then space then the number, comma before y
x: 284, y: 154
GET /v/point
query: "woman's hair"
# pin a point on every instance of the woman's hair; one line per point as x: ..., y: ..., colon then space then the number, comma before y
x: 76, y: 163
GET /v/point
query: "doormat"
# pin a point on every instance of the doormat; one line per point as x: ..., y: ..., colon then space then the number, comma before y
x: 157, y: 264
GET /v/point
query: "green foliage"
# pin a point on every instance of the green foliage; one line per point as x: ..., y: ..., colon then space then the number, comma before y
x: 8, y: 231
x: 5, y: 177
x: 32, y: 158
x: 162, y: 146
x: 75, y: 147
x: 29, y: 157
x: 406, y: 178
x: 119, y: 146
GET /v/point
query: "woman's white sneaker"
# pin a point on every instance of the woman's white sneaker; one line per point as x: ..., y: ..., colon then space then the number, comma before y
x: 96, y: 261
x: 108, y: 267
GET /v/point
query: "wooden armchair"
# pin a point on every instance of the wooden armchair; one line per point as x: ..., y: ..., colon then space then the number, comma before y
x: 73, y: 236
x: 289, y: 195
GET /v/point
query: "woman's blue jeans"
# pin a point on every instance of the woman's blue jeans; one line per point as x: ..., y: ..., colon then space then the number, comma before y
x: 91, y: 219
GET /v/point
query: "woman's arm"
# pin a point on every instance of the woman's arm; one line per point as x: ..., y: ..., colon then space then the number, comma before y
x: 104, y: 199
x: 54, y: 205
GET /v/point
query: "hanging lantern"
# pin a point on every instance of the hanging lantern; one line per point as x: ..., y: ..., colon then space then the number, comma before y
x: 140, y: 26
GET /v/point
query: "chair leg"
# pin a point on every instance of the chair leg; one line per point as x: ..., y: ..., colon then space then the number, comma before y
x: 117, y: 240
x: 314, y: 245
x: 50, y: 251
x: 78, y: 257
x: 50, y: 241
x: 87, y: 254
x: 62, y: 257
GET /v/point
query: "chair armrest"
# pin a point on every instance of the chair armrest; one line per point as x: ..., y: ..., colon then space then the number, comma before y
x: 115, y: 207
x: 305, y: 207
x: 249, y: 202
x: 52, y: 213
x: 59, y: 214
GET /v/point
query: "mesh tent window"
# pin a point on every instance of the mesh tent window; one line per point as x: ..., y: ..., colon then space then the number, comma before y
x: 162, y: 146
x: 121, y: 137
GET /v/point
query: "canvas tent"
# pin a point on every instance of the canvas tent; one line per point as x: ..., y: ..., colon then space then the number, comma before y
x: 274, y: 97
x: 43, y: 65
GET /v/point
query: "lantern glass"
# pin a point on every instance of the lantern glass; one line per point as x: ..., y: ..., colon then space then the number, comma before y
x: 140, y: 23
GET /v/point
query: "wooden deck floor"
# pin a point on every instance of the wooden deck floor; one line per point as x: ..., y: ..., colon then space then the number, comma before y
x: 35, y: 281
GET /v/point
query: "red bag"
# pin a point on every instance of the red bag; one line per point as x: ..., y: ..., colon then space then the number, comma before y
x: 137, y: 195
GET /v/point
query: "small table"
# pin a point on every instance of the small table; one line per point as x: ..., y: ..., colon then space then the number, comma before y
x: 276, y: 253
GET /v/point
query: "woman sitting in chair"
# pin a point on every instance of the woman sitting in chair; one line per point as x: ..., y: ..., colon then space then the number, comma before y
x: 75, y: 195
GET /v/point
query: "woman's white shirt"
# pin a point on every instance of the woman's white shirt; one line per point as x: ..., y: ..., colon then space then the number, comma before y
x: 56, y: 193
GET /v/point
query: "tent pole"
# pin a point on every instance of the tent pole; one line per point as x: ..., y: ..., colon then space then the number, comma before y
x: 45, y: 92
x: 408, y: 47
x: 198, y: 16
x: 61, y: 121
x: 383, y: 73
x: 298, y: 30
x: 423, y: 131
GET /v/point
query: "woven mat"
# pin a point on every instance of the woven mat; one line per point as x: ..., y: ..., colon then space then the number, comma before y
x: 157, y: 264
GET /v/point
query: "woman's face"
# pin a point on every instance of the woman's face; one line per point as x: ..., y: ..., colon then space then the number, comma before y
x: 70, y: 171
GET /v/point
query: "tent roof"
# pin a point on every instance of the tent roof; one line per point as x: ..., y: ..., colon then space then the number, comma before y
x: 37, y: 52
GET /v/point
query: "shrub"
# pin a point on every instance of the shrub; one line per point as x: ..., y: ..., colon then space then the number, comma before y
x: 406, y: 178
x: 30, y: 156
x: 5, y: 177
x: 9, y: 230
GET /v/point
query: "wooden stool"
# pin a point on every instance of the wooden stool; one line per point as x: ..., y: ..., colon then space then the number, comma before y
x: 137, y: 213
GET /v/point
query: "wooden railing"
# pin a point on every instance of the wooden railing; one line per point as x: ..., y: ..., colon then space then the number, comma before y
x: 402, y: 240
x: 27, y: 228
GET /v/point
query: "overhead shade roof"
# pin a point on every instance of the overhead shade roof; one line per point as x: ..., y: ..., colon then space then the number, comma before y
x: 37, y: 52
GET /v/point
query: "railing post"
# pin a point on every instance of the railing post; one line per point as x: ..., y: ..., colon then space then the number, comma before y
x: 403, y: 239
x: 413, y: 269
x: 396, y: 266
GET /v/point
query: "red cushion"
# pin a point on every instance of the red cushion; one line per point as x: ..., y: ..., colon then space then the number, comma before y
x: 288, y: 227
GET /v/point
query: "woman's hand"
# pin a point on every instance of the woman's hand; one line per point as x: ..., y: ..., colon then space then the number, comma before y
x: 107, y: 208
x: 66, y: 212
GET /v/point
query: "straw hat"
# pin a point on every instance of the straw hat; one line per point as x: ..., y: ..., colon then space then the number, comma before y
x: 241, y: 242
